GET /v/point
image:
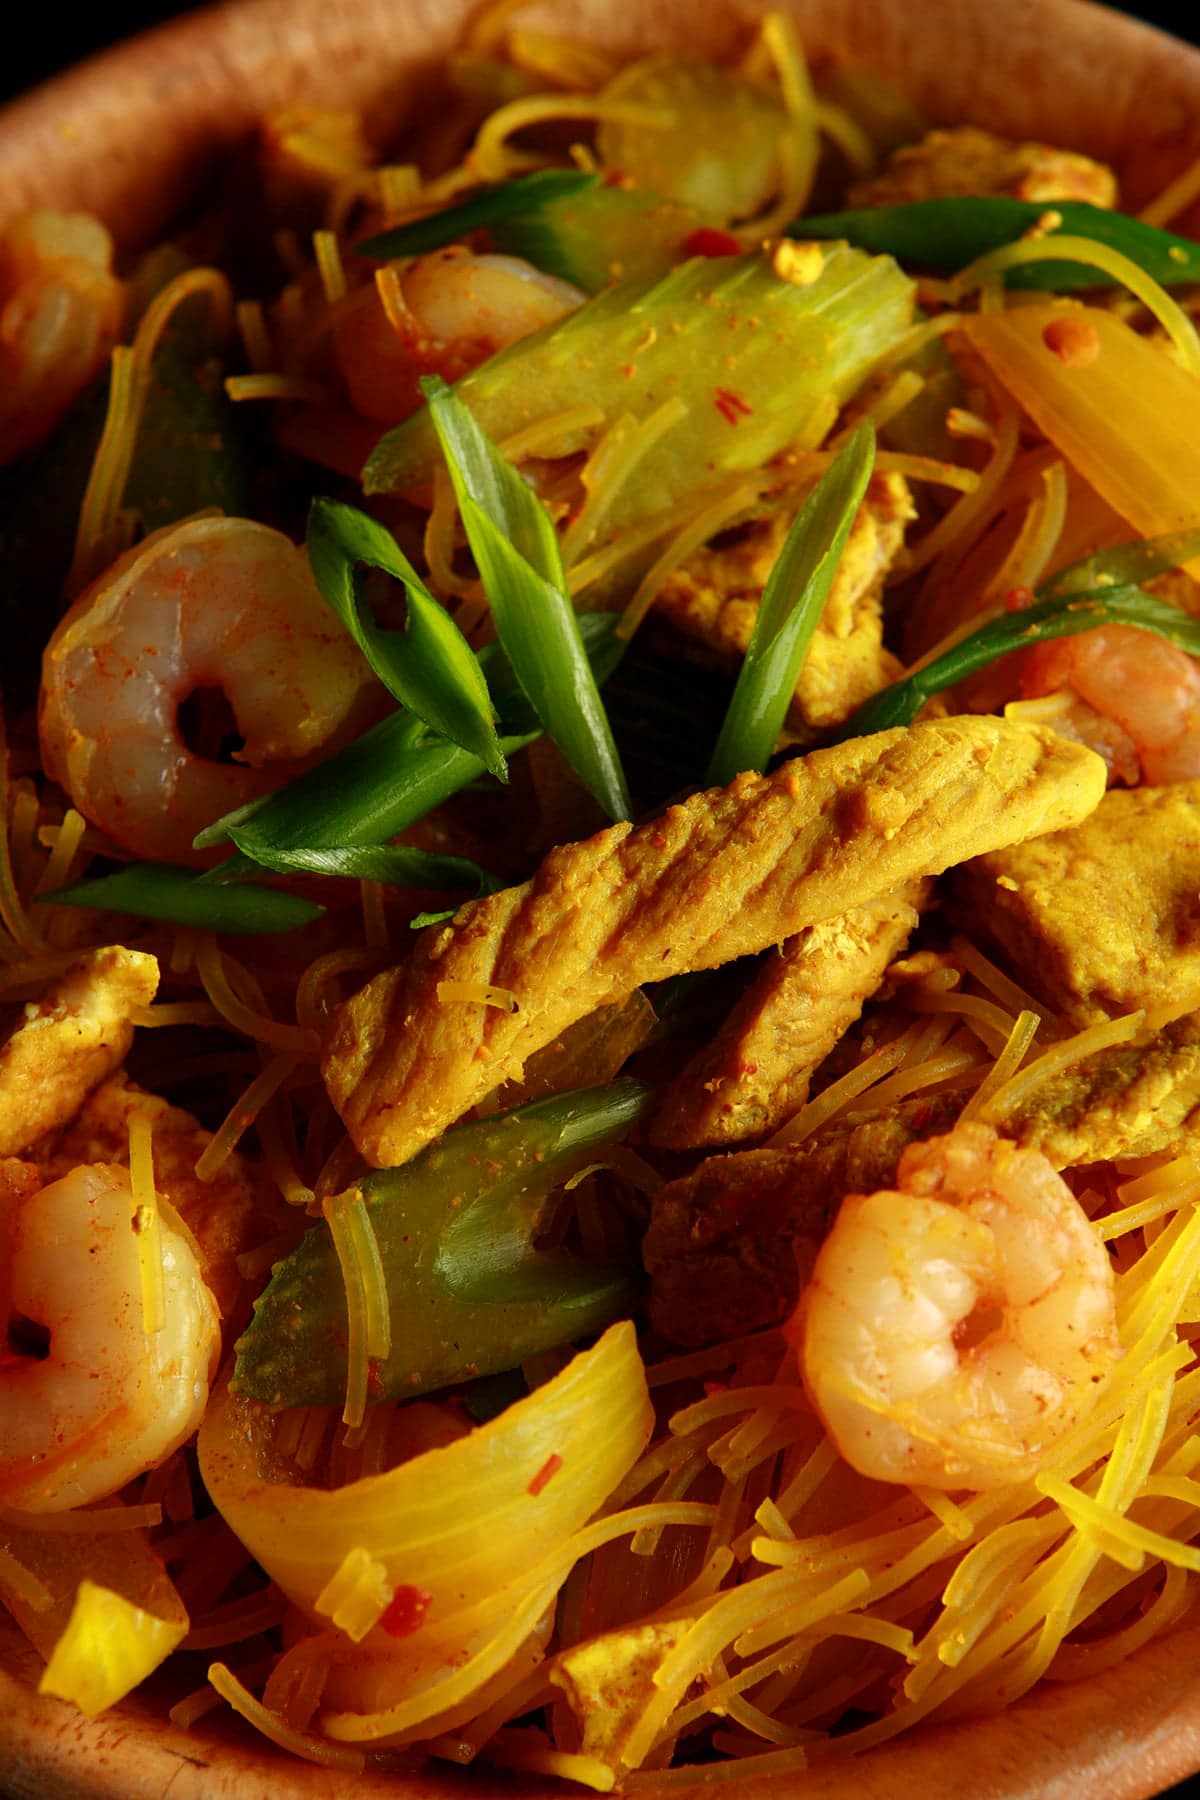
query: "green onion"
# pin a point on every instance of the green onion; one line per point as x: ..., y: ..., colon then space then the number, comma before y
x: 429, y: 666
x: 179, y: 896
x: 789, y: 610
x: 387, y: 779
x: 506, y: 200
x: 1060, y: 615
x: 469, y: 1291
x: 515, y: 546
x: 1124, y: 565
x: 950, y: 233
x: 397, y: 865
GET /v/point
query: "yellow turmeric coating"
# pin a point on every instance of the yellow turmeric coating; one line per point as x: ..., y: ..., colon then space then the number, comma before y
x: 725, y: 874
x: 68, y: 1041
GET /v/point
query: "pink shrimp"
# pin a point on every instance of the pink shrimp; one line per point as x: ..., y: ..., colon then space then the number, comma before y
x: 1136, y: 700
x: 60, y: 312
x: 456, y: 309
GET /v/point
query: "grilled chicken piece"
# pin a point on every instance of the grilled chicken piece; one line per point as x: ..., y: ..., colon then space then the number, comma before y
x: 1129, y: 1100
x: 755, y: 1073
x: 730, y: 1246
x: 725, y: 874
x: 713, y: 599
x: 1105, y: 917
x: 69, y: 1041
x: 965, y: 161
x: 219, y: 1213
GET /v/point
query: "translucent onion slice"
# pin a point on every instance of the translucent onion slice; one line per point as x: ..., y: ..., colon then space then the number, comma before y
x: 1125, y: 420
x: 463, y: 1526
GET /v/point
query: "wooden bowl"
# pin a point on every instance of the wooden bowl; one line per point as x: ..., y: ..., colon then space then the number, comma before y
x: 133, y: 135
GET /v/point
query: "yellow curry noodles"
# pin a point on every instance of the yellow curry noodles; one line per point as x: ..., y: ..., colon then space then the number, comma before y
x: 599, y: 1003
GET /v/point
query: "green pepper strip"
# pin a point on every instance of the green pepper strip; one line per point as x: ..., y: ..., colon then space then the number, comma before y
x: 505, y: 200
x: 950, y: 233
x: 469, y: 1292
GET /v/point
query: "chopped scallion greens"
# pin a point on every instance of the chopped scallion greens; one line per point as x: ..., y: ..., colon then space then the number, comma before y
x: 429, y: 666
x: 951, y: 232
x: 505, y: 200
x: 1060, y: 615
x: 515, y: 546
x: 1124, y: 565
x: 387, y: 779
x: 398, y: 865
x: 180, y: 897
x: 789, y: 610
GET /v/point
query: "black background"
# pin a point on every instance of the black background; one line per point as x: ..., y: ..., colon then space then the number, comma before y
x: 40, y: 44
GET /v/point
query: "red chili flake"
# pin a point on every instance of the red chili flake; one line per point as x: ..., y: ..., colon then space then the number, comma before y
x: 730, y: 405
x: 715, y: 1387
x: 1075, y: 342
x: 708, y: 241
x: 546, y: 1473
x: 405, y: 1611
x: 1018, y: 598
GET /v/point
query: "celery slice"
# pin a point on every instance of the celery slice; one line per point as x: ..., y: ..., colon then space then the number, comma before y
x: 718, y: 146
x: 752, y: 355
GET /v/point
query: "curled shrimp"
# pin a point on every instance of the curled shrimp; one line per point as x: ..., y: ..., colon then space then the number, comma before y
x: 108, y: 1399
x: 214, y: 604
x: 60, y: 313
x: 1137, y: 700
x: 454, y: 309
x: 956, y: 1328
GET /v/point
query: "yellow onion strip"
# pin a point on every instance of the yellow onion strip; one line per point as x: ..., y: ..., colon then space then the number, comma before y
x: 1125, y: 420
x: 466, y: 1529
x: 135, y: 1603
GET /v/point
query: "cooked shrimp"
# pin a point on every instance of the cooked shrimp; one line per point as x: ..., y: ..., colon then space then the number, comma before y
x: 954, y: 1329
x: 212, y: 604
x: 455, y: 310
x: 1139, y: 695
x: 60, y: 313
x: 108, y: 1399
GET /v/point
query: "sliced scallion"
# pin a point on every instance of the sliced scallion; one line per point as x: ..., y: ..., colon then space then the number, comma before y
x: 789, y: 610
x: 429, y: 666
x: 505, y: 200
x: 180, y: 897
x: 516, y: 551
x: 1062, y: 615
x: 1124, y: 565
x: 386, y: 780
x: 951, y: 232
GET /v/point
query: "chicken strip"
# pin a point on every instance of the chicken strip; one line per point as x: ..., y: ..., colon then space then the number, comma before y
x: 729, y: 1246
x: 713, y: 599
x: 1138, y: 858
x: 69, y: 1041
x: 221, y: 1213
x: 755, y: 1072
x: 965, y: 160
x: 725, y: 874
